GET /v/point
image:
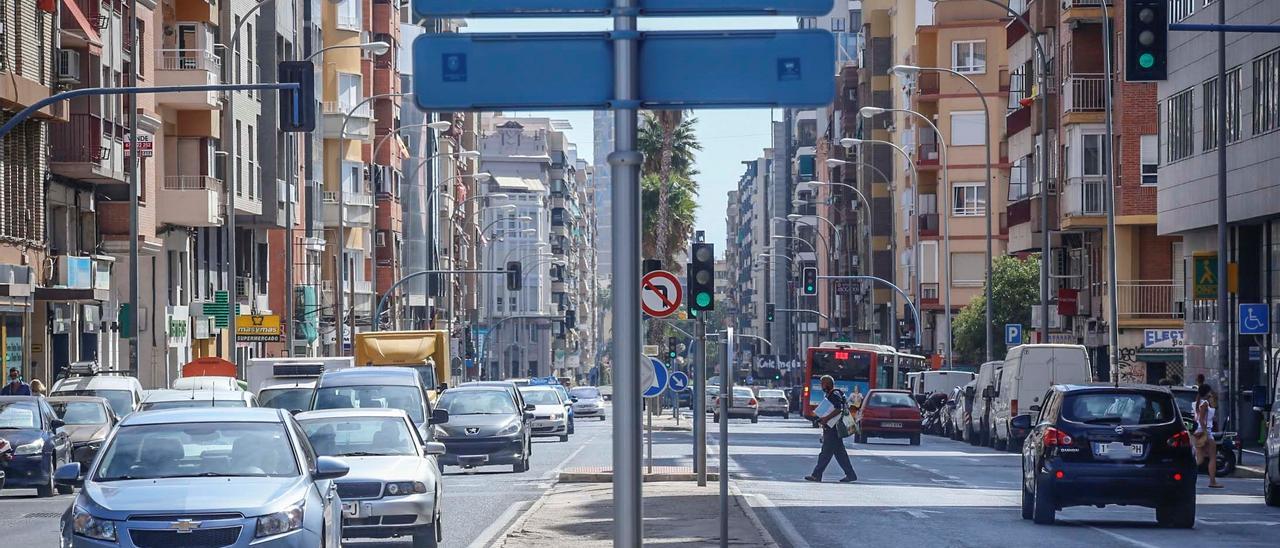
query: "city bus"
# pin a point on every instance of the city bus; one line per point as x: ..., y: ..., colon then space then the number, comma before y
x: 909, y: 363
x: 850, y: 367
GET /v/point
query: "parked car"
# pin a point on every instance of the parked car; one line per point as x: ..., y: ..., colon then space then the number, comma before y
x: 87, y: 420
x: 487, y: 426
x: 742, y: 404
x: 713, y: 392
x: 1029, y: 370
x: 177, y: 399
x: 888, y: 414
x: 774, y: 402
x: 589, y: 403
x: 39, y: 444
x: 207, y: 382
x: 960, y: 413
x: 983, y: 393
x: 123, y: 392
x: 287, y: 394
x: 550, y: 418
x: 393, y: 488
x: 1104, y: 445
x: 568, y: 400
x: 378, y: 387
x: 220, y: 477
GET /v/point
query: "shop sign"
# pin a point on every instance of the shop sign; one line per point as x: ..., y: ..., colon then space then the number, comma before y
x: 177, y: 326
x: 259, y: 328
x: 200, y: 328
x: 1166, y: 339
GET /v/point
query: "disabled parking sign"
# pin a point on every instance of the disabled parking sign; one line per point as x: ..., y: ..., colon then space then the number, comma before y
x: 1255, y: 319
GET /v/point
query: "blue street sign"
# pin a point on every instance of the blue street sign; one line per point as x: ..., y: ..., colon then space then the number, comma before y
x: 659, y: 379
x: 1013, y: 334
x: 679, y: 382
x: 585, y: 8
x: 730, y: 69
x: 1255, y: 319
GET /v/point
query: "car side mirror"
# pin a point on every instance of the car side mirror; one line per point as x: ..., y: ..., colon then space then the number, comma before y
x: 573, y: 399
x: 530, y: 407
x: 68, y: 474
x: 433, y: 448
x: 57, y: 423
x: 328, y: 468
x: 1035, y: 409
x: 1021, y: 422
x: 439, y: 416
x: 528, y: 416
x: 294, y: 411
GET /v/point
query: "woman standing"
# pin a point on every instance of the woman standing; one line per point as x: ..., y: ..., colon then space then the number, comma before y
x: 1206, y: 447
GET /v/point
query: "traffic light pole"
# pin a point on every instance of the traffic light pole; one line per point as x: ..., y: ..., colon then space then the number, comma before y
x: 700, y: 401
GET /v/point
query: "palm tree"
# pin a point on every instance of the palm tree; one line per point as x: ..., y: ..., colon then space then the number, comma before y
x: 668, y: 142
x: 682, y: 206
x: 684, y: 145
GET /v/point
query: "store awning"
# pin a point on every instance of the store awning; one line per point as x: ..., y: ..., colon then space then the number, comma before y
x: 518, y: 182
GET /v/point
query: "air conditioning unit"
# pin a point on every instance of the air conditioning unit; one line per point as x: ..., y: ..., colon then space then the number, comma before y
x: 68, y: 66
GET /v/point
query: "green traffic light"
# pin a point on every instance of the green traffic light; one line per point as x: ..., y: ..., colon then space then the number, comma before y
x: 1146, y: 60
x: 703, y: 299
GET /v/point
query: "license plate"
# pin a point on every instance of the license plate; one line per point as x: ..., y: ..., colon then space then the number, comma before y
x: 891, y: 425
x: 351, y: 509
x: 1118, y: 450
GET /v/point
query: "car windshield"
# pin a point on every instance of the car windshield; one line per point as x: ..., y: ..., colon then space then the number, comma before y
x: 121, y: 401
x: 360, y: 436
x: 477, y: 402
x: 18, y: 414
x: 405, y: 398
x: 205, y: 449
x: 1119, y: 408
x: 194, y: 402
x: 286, y: 398
x: 80, y: 412
x: 541, y: 397
x: 1186, y: 400
x: 743, y: 393
x: 772, y: 394
x: 585, y: 392
x: 890, y: 399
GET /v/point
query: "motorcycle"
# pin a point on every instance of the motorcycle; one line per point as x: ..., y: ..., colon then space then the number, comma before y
x: 934, y: 420
x: 1226, y: 454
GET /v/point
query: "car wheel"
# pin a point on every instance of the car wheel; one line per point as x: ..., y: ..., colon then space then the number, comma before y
x: 1226, y: 462
x: 425, y: 537
x: 716, y: 418
x: 1179, y: 515
x: 860, y: 438
x: 564, y: 437
x: 999, y: 444
x: 1270, y: 491
x: 602, y: 418
x: 1043, y: 510
x: 915, y: 439
x: 46, y: 491
x: 755, y: 419
x: 570, y: 427
x: 786, y: 416
x: 522, y: 466
x: 1028, y: 503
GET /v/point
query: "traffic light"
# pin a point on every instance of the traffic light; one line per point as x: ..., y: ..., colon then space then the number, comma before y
x: 570, y: 319
x: 809, y: 281
x: 768, y: 312
x: 297, y: 107
x: 514, y: 279
x: 702, y: 277
x: 1146, y: 36
x: 672, y: 348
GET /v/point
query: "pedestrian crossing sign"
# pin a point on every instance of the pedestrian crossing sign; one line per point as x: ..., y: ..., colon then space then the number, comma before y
x: 1205, y: 275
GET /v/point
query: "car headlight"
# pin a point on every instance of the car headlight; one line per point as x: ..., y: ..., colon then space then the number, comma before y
x: 439, y: 431
x: 30, y: 448
x: 510, y: 429
x: 557, y: 416
x: 279, y: 522
x: 85, y: 525
x: 396, y: 488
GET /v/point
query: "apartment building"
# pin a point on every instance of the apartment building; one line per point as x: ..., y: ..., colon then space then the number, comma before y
x: 757, y: 261
x: 1186, y: 194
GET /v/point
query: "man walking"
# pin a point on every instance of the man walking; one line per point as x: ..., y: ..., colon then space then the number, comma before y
x: 833, y: 405
x: 15, y: 387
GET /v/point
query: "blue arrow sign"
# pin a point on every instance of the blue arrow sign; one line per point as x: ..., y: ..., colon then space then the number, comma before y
x: 586, y: 8
x: 679, y: 382
x: 1013, y: 334
x: 659, y: 378
x: 730, y: 69
x: 1255, y: 319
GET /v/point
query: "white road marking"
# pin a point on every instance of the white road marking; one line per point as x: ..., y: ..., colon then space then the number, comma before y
x: 1121, y: 537
x: 794, y: 539
x: 555, y: 472
x: 486, y: 537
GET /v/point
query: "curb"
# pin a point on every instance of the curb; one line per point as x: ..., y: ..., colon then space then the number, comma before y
x: 607, y: 477
x: 751, y: 516
x: 1247, y: 472
x: 518, y: 524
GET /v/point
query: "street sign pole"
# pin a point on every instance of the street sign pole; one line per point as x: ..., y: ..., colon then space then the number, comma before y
x: 726, y: 389
x: 624, y: 162
x: 700, y: 401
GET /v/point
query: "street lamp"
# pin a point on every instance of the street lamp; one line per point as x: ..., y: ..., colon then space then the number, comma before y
x: 868, y: 112
x: 911, y: 70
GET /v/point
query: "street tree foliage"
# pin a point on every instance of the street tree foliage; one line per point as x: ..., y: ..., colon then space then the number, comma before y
x: 682, y: 206
x: 669, y: 146
x: 1015, y: 288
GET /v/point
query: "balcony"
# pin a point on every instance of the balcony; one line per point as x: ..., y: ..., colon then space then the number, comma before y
x: 358, y: 208
x: 1084, y: 93
x: 928, y: 84
x: 1086, y: 197
x: 335, y: 112
x: 86, y: 148
x: 927, y: 155
x: 929, y: 293
x: 1018, y: 120
x: 927, y: 224
x: 188, y: 67
x: 1150, y: 302
x: 1082, y: 10
x: 191, y: 200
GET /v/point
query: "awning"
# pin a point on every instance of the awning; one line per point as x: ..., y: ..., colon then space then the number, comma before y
x: 83, y: 32
x: 517, y: 182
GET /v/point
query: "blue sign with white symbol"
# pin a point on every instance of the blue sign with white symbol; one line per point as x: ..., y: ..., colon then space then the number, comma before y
x: 1255, y: 319
x: 1013, y: 334
x: 657, y: 382
x: 679, y: 382
x: 729, y: 69
x: 587, y: 8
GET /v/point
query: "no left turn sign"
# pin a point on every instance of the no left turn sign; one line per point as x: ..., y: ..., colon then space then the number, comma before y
x: 660, y: 293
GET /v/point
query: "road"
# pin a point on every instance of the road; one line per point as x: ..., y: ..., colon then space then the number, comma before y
x: 941, y: 491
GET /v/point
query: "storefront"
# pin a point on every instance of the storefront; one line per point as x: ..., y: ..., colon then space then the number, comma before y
x: 1161, y: 356
x: 15, y: 314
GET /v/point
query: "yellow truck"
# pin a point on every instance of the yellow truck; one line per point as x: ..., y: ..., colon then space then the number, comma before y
x: 427, y: 352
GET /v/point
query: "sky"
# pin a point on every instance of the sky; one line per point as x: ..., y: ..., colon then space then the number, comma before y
x: 729, y: 136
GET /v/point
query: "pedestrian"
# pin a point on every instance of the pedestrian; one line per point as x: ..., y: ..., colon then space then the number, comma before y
x: 828, y: 412
x: 37, y: 387
x: 1205, y: 446
x: 15, y: 387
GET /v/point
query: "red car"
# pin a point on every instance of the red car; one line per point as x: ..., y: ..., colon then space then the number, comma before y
x: 889, y: 414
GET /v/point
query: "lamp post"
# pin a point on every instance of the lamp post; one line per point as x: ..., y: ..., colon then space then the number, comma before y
x: 868, y: 112
x: 908, y: 70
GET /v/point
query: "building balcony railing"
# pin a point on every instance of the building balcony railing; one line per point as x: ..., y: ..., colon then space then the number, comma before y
x: 188, y: 67
x: 928, y: 154
x: 927, y: 224
x: 192, y: 182
x: 1086, y: 196
x: 928, y: 82
x: 188, y: 59
x: 929, y: 293
x: 191, y: 200
x: 1084, y: 93
x: 335, y: 114
x: 1150, y: 300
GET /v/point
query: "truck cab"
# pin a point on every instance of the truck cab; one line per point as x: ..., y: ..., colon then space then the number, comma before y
x: 426, y: 352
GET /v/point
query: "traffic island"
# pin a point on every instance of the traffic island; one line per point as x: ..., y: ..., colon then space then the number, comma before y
x: 676, y: 514
x: 659, y: 473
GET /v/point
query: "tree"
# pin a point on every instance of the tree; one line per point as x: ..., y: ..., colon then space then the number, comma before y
x: 684, y: 146
x: 668, y: 143
x: 1016, y: 289
x: 682, y: 208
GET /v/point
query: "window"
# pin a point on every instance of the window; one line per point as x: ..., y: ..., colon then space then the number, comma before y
x: 837, y: 25
x: 350, y: 92
x: 349, y: 15
x: 929, y: 262
x: 969, y: 57
x: 968, y: 199
x: 1150, y: 158
x: 1093, y: 155
x: 352, y: 173
x: 1180, y: 111
x: 1181, y: 9
x: 1210, y: 109
x: 968, y: 269
x: 1018, y: 179
x: 380, y: 238
x: 967, y: 128
x: 1266, y: 92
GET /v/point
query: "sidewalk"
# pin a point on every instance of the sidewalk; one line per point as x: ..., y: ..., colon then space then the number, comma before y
x: 676, y: 514
x: 667, y: 423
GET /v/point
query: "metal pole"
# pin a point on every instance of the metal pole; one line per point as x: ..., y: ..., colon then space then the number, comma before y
x: 648, y: 404
x: 700, y: 402
x: 625, y: 163
x: 1224, y: 307
x: 134, y: 45
x: 726, y: 389
x: 1113, y: 327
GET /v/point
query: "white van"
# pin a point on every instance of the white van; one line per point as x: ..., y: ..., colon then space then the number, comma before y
x: 980, y: 402
x: 1029, y: 370
x: 943, y: 381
